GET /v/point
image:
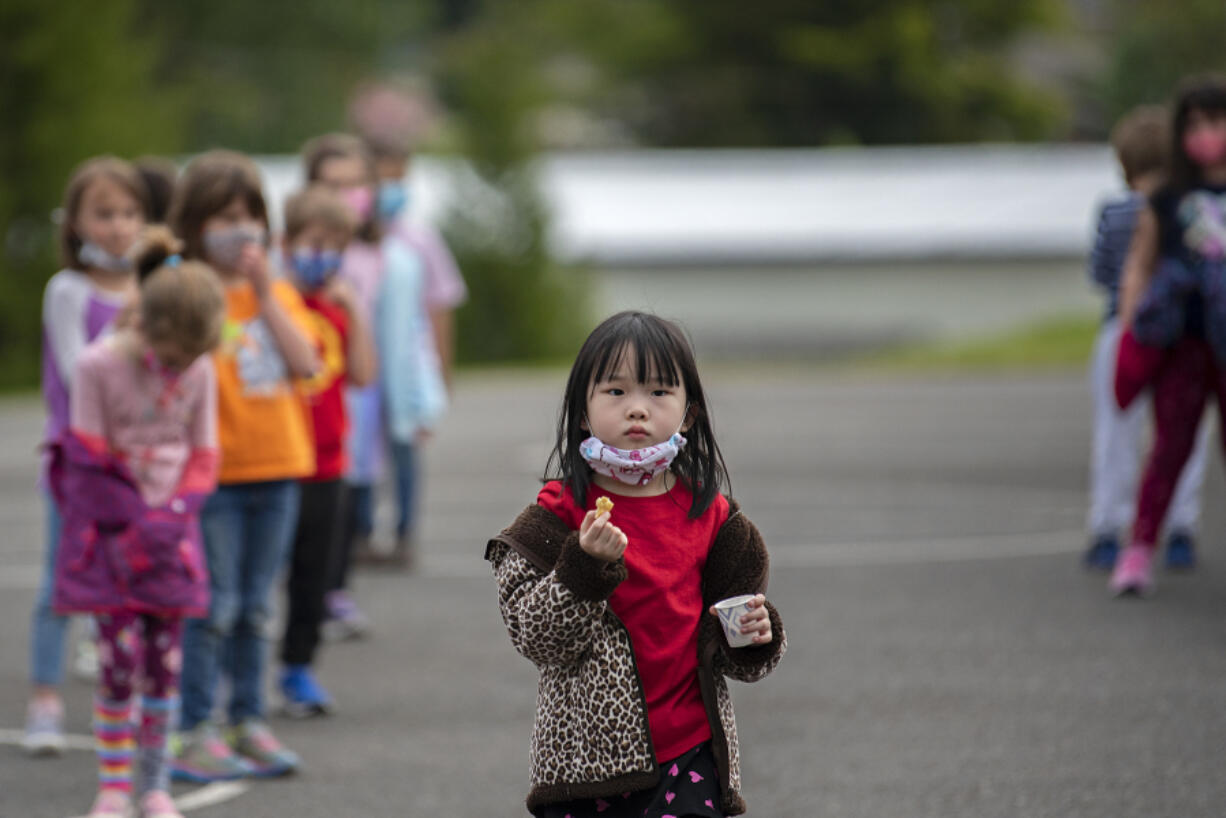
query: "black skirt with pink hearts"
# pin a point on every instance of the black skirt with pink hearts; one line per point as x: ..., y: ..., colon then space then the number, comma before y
x: 689, y: 786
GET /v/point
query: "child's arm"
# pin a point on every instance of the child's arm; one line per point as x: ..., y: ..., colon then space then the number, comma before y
x: 360, y: 366
x: 64, y: 322
x: 552, y: 613
x: 738, y: 564
x: 200, y: 472
x: 1116, y: 221
x: 294, y: 345
x: 413, y: 390
x: 1139, y: 266
x: 87, y: 405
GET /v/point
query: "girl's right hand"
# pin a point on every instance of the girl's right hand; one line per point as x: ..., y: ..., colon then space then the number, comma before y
x: 253, y: 265
x: 600, y: 538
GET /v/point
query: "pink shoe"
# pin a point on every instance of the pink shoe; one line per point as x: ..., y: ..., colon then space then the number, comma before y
x: 1133, y: 574
x: 158, y: 804
x: 111, y: 803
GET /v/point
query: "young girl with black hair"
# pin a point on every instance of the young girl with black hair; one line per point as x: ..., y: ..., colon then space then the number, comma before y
x: 1174, y: 303
x: 616, y: 607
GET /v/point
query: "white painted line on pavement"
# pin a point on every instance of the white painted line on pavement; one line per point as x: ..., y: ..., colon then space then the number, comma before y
x: 207, y: 796
x: 210, y: 794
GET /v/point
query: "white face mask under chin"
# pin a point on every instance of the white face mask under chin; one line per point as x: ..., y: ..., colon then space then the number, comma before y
x: 634, y: 467
x: 95, y: 257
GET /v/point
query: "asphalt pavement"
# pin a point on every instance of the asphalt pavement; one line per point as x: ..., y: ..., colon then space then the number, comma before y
x: 947, y: 657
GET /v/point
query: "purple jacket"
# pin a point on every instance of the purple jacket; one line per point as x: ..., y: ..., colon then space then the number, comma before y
x: 115, y: 552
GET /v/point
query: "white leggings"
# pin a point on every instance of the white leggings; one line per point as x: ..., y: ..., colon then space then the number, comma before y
x: 1116, y: 458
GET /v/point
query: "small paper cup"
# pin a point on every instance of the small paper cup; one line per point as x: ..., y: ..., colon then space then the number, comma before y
x: 730, y: 612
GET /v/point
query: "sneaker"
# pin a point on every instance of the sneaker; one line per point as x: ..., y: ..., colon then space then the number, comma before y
x: 304, y: 695
x: 345, y: 619
x: 111, y: 803
x: 158, y: 804
x: 1102, y: 553
x: 44, y: 727
x: 1133, y: 574
x: 85, y: 659
x: 202, y: 757
x: 1180, y: 551
x: 268, y: 757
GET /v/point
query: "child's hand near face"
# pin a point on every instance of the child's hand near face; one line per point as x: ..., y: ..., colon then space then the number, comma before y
x: 253, y: 265
x: 758, y: 619
x: 341, y: 293
x: 600, y: 538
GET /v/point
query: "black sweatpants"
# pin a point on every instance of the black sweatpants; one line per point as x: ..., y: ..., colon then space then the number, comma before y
x: 316, y: 545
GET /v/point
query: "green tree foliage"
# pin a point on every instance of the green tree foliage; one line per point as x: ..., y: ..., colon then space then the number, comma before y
x: 522, y: 304
x: 76, y: 80
x: 1156, y: 45
x: 801, y: 73
x: 264, y: 77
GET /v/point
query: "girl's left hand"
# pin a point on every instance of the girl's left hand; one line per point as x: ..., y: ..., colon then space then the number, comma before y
x: 758, y: 619
x: 341, y: 293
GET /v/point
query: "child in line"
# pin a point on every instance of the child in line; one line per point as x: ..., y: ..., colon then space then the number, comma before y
x: 397, y: 413
x: 1141, y: 142
x: 104, y: 210
x: 391, y: 121
x: 160, y: 175
x: 1177, y: 257
x: 616, y: 608
x: 130, y: 477
x: 248, y: 523
x: 318, y: 226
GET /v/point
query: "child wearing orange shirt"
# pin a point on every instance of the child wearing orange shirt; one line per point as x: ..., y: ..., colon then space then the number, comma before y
x: 266, y: 347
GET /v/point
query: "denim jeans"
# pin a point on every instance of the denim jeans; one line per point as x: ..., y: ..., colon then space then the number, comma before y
x: 404, y: 460
x: 47, y: 628
x: 247, y: 529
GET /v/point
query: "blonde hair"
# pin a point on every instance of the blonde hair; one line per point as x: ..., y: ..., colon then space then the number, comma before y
x: 180, y: 301
x: 209, y: 183
x: 318, y: 205
x: 110, y: 168
x: 1141, y: 140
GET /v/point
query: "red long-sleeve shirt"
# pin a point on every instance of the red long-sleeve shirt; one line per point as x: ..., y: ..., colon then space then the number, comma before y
x: 660, y: 602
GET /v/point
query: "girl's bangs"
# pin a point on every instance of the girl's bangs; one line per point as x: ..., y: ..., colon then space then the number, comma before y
x: 655, y: 357
x: 1209, y: 98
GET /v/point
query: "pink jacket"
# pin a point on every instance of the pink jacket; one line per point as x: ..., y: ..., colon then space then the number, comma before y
x: 115, y: 552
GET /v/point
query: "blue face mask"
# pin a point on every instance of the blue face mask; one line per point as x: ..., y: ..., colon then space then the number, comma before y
x: 314, y: 267
x: 393, y: 199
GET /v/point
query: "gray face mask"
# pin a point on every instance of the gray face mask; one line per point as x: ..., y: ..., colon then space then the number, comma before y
x: 223, y: 246
x: 94, y: 257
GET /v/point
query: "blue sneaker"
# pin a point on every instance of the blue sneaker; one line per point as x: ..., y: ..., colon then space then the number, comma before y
x: 1180, y: 551
x: 304, y: 696
x: 1102, y: 553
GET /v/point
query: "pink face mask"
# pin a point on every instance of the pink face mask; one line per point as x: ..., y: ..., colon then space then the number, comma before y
x: 634, y: 467
x: 361, y: 200
x: 1205, y: 147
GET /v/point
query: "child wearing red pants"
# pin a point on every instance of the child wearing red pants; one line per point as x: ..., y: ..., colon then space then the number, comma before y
x: 1174, y: 297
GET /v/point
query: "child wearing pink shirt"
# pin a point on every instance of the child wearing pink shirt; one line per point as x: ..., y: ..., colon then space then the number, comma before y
x: 130, y: 475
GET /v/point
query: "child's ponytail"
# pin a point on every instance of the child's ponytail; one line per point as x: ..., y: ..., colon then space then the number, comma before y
x: 153, y: 249
x: 180, y: 300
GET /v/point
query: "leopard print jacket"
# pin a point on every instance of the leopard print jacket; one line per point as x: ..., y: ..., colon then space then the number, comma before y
x: 591, y: 738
